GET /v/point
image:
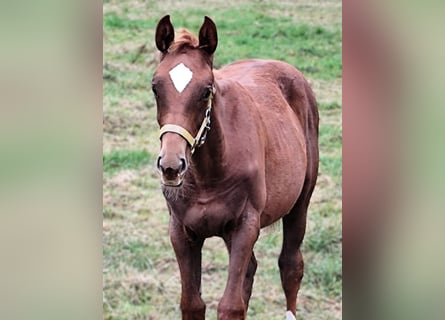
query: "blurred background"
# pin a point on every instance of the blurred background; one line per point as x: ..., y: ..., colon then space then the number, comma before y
x: 50, y: 159
x: 393, y: 152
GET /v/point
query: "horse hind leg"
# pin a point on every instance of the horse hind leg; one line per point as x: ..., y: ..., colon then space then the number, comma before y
x: 291, y: 260
x: 294, y: 227
x: 294, y: 223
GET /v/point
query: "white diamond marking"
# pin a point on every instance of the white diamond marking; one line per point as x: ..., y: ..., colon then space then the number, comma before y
x: 181, y: 76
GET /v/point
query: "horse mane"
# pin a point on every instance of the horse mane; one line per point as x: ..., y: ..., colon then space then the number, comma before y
x: 184, y: 39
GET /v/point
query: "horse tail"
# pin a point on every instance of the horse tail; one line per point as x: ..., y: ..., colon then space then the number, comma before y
x: 311, y: 136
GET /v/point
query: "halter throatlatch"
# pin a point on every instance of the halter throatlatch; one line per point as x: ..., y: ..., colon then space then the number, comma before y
x: 194, y: 142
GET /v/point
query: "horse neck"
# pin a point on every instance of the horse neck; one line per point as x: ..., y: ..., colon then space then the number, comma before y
x: 209, y: 159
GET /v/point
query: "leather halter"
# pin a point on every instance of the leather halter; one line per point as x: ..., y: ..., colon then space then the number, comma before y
x: 200, y: 138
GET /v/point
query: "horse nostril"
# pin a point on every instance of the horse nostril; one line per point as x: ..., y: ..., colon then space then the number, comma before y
x: 183, y: 165
x: 158, y: 163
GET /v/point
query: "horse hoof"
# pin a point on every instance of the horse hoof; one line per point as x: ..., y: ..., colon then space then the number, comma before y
x: 290, y: 316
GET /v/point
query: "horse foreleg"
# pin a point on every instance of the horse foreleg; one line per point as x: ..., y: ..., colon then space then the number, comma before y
x: 248, y: 280
x: 250, y: 274
x: 239, y: 283
x: 188, y: 255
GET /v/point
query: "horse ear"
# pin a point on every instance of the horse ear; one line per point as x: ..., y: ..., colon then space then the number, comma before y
x: 208, y: 37
x: 165, y: 34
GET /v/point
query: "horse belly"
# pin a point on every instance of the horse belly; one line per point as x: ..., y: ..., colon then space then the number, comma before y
x: 286, y: 165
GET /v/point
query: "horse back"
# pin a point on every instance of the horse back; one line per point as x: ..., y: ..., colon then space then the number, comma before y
x: 261, y: 77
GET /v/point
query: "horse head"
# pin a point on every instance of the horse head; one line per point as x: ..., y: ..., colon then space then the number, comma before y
x: 183, y: 85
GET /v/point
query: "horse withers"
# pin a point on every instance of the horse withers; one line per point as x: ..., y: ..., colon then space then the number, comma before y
x: 239, y: 151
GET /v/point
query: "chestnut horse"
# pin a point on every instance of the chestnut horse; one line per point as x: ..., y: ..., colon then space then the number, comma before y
x: 239, y: 151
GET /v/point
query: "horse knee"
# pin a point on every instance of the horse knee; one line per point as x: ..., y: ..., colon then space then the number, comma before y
x: 232, y: 307
x: 300, y: 265
x: 286, y: 261
x: 193, y: 310
x: 291, y: 266
x: 231, y: 312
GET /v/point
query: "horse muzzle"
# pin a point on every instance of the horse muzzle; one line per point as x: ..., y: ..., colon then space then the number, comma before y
x: 172, y: 170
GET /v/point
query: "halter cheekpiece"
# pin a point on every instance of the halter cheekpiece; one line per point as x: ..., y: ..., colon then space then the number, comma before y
x: 200, y: 138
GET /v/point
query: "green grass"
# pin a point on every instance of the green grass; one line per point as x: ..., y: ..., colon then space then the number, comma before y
x: 114, y: 21
x: 248, y: 33
x: 140, y: 274
x: 329, y: 106
x: 123, y: 159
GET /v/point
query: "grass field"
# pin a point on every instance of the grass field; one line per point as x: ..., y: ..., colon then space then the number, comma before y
x: 140, y: 274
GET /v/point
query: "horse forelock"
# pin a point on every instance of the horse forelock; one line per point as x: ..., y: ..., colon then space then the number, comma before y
x: 184, y: 39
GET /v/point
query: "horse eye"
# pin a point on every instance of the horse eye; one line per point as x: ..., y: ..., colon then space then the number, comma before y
x: 207, y: 92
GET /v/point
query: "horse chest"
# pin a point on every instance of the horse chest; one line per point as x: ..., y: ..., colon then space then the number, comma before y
x: 209, y: 217
x: 206, y: 219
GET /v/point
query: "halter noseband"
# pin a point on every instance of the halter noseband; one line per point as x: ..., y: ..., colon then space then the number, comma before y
x: 201, y: 136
